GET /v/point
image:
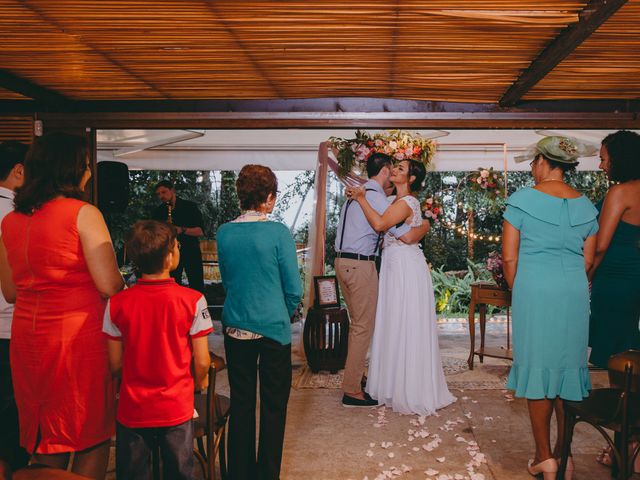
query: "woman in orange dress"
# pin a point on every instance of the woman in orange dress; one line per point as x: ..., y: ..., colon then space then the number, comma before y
x: 58, y: 265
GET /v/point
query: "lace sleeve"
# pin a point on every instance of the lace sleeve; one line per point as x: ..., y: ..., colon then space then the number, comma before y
x: 414, y: 204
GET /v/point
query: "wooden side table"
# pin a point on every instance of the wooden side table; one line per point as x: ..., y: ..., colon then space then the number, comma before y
x: 483, y: 294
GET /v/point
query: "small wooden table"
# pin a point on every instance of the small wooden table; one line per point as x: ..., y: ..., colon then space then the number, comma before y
x: 326, y: 338
x: 483, y: 294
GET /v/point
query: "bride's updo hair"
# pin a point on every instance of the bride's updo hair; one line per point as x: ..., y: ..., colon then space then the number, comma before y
x: 418, y: 170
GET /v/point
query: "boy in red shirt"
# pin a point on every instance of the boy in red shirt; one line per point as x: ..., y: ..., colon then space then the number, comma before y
x: 155, y: 329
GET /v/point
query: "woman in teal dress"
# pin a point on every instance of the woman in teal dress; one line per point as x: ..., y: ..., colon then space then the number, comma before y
x: 548, y: 244
x: 615, y: 294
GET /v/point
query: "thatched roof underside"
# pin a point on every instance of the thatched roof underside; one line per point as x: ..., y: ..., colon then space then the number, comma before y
x: 454, y: 51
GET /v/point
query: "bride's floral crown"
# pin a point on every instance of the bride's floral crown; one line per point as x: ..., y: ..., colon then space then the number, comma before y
x: 353, y: 154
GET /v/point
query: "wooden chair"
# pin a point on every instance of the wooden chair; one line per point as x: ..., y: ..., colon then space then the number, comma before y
x: 616, y: 408
x: 41, y: 472
x: 213, y: 410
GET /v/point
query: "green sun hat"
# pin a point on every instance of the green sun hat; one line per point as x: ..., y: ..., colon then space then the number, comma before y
x: 559, y: 149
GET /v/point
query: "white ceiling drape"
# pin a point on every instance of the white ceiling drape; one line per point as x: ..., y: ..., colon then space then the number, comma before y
x: 297, y: 149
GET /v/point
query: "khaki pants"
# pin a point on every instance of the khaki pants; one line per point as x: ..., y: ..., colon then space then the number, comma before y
x: 358, y: 281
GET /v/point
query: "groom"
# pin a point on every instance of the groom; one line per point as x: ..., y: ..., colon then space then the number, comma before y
x: 357, y: 250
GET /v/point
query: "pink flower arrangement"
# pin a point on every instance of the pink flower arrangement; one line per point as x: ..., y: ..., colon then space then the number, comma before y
x: 352, y: 154
x: 432, y: 209
x: 486, y: 180
x: 494, y: 265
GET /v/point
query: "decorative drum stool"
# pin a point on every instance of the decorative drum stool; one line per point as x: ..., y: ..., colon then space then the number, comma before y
x: 326, y: 337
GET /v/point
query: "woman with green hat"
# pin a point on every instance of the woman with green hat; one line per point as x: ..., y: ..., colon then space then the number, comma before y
x: 549, y: 239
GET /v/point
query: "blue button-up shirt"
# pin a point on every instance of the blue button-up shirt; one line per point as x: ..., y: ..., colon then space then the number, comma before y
x: 359, y: 236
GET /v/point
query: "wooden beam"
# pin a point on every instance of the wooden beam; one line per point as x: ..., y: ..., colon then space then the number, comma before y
x: 382, y: 120
x: 323, y: 105
x: 29, y: 89
x: 594, y: 14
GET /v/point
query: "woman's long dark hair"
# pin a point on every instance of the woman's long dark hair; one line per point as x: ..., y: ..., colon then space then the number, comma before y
x: 623, y: 148
x: 418, y: 170
x: 54, y: 166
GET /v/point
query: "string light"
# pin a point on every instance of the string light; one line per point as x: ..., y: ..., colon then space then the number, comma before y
x: 462, y: 229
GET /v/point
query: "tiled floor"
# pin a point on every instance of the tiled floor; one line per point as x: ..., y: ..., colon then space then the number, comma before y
x: 325, y: 441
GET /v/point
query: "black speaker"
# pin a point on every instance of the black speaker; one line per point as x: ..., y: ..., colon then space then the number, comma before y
x: 113, y: 187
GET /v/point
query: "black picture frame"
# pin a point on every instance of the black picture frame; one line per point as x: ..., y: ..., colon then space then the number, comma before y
x: 327, y: 291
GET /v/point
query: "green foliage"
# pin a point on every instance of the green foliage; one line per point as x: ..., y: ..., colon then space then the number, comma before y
x: 296, y: 191
x: 346, y: 151
x: 229, y: 203
x: 443, y: 248
x: 294, y: 195
x: 452, y: 290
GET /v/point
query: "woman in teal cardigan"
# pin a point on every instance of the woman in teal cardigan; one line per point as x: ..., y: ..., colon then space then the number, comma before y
x: 259, y: 269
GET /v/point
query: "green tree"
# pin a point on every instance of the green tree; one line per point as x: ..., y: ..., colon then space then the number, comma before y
x: 229, y: 204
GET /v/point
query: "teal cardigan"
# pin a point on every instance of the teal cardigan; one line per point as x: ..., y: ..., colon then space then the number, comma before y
x: 259, y: 270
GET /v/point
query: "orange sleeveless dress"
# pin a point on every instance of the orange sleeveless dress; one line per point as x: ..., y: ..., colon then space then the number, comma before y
x: 63, y: 386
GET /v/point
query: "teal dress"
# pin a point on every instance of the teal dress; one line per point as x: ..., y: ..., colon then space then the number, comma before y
x: 550, y: 300
x: 615, y: 297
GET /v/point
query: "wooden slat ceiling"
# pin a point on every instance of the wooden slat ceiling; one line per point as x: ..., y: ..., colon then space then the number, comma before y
x: 605, y: 66
x: 455, y: 50
x: 16, y: 128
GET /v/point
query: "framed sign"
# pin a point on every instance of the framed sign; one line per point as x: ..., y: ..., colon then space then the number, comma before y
x: 326, y: 290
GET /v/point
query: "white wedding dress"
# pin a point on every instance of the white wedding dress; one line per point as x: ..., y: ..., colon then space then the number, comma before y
x: 405, y: 369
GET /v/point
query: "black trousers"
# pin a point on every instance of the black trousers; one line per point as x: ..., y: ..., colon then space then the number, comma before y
x: 10, y: 449
x: 191, y: 263
x: 245, y: 359
x: 134, y: 447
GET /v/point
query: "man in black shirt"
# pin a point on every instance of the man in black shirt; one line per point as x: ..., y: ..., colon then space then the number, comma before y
x: 187, y: 219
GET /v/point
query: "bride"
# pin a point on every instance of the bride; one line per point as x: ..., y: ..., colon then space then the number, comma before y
x: 405, y: 369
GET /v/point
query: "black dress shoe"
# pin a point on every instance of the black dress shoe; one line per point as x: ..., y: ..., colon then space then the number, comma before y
x: 350, y: 402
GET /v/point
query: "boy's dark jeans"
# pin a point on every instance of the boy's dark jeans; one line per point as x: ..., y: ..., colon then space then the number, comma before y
x: 272, y: 361
x: 134, y: 447
x: 10, y: 450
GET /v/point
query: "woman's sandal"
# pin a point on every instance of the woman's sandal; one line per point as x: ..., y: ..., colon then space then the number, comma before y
x: 548, y: 468
x: 605, y: 457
